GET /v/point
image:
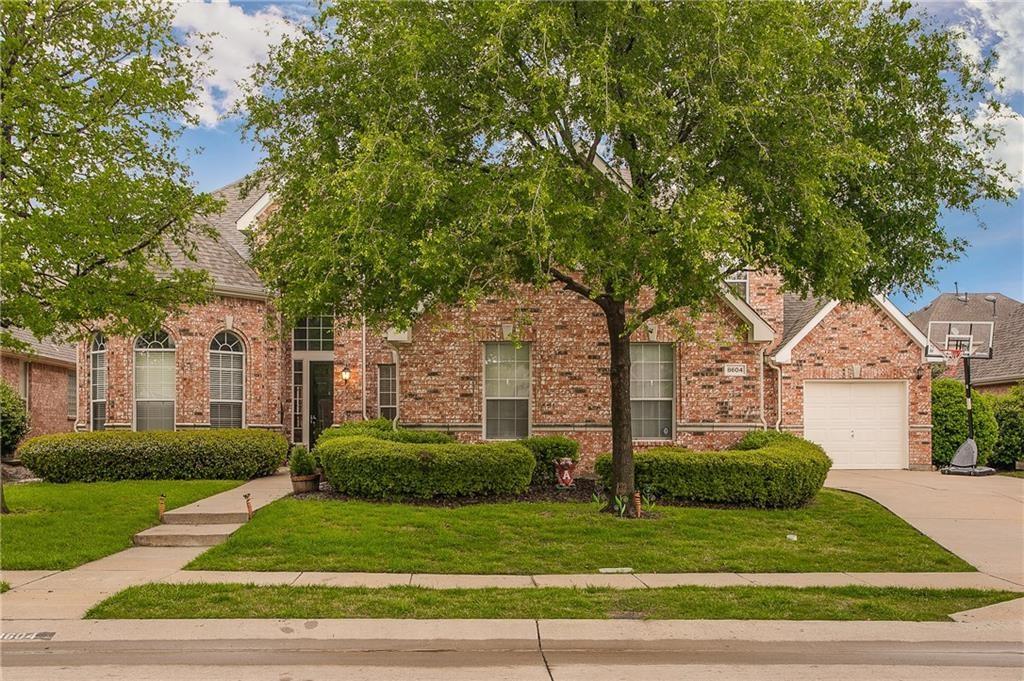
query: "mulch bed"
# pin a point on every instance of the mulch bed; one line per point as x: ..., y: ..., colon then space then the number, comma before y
x: 583, y: 491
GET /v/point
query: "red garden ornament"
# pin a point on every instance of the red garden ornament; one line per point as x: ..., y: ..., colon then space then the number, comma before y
x: 564, y: 469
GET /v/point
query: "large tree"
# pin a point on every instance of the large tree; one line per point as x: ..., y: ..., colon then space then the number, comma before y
x: 428, y: 154
x: 97, y: 207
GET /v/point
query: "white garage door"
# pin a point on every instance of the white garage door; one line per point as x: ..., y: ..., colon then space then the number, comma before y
x: 860, y: 424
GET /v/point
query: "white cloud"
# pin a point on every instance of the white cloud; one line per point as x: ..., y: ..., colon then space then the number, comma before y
x: 1001, y: 26
x: 1010, y: 149
x: 238, y: 40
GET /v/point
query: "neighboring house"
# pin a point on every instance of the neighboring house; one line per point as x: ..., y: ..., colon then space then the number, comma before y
x: 852, y: 377
x: 1006, y: 368
x: 44, y: 376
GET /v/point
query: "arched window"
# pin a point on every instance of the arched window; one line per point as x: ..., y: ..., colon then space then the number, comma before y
x: 98, y: 381
x: 154, y: 381
x: 227, y: 380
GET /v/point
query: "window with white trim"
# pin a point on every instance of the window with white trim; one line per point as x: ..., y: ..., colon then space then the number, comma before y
x: 227, y: 380
x: 98, y: 382
x: 651, y: 388
x: 314, y: 333
x: 72, y: 394
x: 154, y: 381
x: 297, y: 402
x: 739, y: 284
x: 387, y: 391
x: 506, y: 391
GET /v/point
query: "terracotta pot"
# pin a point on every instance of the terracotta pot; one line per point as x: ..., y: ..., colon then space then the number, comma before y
x: 306, y: 483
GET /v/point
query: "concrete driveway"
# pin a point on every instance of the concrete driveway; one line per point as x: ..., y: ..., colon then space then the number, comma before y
x: 979, y: 519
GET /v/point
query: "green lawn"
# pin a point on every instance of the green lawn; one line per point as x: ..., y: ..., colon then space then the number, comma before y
x: 191, y: 601
x: 4, y: 587
x: 1013, y: 474
x: 838, y: 531
x: 56, y: 527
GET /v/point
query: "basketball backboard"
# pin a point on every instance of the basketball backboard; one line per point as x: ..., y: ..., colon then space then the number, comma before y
x: 952, y: 340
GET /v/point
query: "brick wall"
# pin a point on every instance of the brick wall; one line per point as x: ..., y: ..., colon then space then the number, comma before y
x: 192, y: 333
x: 861, y: 342
x: 47, y: 393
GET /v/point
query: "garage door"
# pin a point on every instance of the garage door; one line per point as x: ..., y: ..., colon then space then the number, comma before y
x: 861, y: 424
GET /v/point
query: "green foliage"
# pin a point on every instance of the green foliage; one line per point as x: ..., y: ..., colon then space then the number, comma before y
x: 13, y: 419
x: 382, y: 429
x: 1009, y: 413
x: 369, y: 467
x: 546, y: 450
x: 949, y: 421
x: 219, y: 454
x: 301, y: 462
x: 96, y: 196
x: 764, y: 471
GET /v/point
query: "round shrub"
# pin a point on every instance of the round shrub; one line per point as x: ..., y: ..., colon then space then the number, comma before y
x: 949, y: 421
x: 221, y: 454
x: 382, y: 469
x: 1009, y: 413
x: 783, y: 472
x: 382, y: 429
x: 548, y: 449
x: 13, y: 420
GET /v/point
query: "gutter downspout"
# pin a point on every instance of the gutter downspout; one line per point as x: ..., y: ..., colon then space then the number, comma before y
x: 362, y: 367
x: 760, y: 375
x: 778, y: 393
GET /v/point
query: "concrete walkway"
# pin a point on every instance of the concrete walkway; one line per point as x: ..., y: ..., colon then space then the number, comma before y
x: 979, y: 519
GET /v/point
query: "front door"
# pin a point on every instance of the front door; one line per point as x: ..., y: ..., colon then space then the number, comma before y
x: 321, y: 398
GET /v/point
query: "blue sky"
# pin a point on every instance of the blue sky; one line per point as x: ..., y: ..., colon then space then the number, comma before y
x: 994, y: 261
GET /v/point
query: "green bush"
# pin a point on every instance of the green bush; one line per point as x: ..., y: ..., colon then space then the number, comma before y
x: 949, y: 421
x: 364, y: 466
x: 1009, y: 413
x: 548, y: 449
x: 220, y: 454
x: 766, y: 470
x: 13, y: 420
x: 382, y: 429
x: 301, y: 462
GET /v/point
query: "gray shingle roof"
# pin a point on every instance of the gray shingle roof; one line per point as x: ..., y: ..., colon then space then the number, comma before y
x: 1007, y: 363
x: 47, y: 347
x: 225, y: 254
x: 797, y: 312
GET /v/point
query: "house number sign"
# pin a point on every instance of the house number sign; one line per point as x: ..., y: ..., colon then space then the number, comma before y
x: 735, y: 370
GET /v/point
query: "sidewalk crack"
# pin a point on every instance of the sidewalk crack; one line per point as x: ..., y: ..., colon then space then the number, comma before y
x: 543, y: 657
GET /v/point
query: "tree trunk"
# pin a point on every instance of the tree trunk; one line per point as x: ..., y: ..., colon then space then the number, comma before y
x: 622, y: 433
x: 3, y: 501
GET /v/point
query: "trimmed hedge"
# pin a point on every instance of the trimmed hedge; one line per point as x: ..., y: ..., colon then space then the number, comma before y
x: 13, y: 419
x: 766, y: 470
x: 1009, y: 413
x: 382, y: 429
x: 364, y: 466
x: 546, y: 450
x: 949, y: 421
x: 220, y: 454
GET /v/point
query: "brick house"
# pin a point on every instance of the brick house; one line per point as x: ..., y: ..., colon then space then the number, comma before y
x: 44, y: 376
x: 852, y: 377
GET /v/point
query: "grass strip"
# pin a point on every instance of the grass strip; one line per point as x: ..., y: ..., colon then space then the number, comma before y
x: 56, y: 527
x: 217, y: 601
x: 836, y: 532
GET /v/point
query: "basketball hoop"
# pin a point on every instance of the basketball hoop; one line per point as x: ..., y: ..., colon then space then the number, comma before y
x: 953, y: 355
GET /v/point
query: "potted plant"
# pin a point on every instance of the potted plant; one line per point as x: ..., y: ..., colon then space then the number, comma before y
x: 303, y: 469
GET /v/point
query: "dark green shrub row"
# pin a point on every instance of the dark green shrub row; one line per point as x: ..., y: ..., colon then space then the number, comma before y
x: 949, y: 421
x: 766, y: 470
x: 1009, y: 413
x: 379, y: 469
x: 548, y: 449
x: 221, y: 454
x: 382, y: 429
x: 13, y: 419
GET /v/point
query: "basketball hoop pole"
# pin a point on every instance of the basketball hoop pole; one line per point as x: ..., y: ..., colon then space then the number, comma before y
x: 970, y: 410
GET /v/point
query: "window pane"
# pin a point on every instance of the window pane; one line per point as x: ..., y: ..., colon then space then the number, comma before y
x: 99, y: 415
x: 225, y: 414
x: 297, y: 407
x: 154, y: 375
x: 507, y: 419
x: 314, y: 333
x: 99, y: 376
x: 387, y: 391
x: 154, y: 416
x: 652, y: 386
x: 72, y: 395
x: 507, y: 390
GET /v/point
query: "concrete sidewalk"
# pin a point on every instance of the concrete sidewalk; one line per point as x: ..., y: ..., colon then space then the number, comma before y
x: 979, y: 519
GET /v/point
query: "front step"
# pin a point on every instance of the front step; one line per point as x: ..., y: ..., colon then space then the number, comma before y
x: 199, y: 518
x: 185, y: 535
